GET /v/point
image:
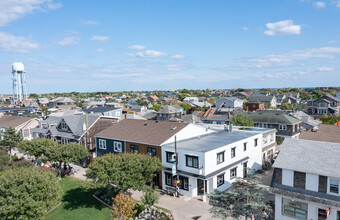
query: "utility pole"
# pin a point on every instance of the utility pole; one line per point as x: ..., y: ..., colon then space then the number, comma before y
x: 177, y: 177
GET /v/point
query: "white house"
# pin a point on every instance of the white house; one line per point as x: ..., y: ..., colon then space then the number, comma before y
x: 229, y: 102
x: 306, y: 180
x: 212, y: 161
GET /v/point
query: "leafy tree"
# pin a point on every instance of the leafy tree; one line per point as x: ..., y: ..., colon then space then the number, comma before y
x: 242, y: 120
x: 150, y: 196
x: 186, y: 106
x: 245, y: 105
x: 4, y: 159
x: 68, y: 153
x: 126, y: 171
x: 156, y: 107
x: 37, y: 147
x: 243, y: 199
x: 123, y: 207
x: 27, y: 193
x: 185, y: 91
x: 286, y: 106
x: 11, y: 139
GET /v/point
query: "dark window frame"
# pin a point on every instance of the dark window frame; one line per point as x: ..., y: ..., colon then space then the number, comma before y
x: 220, y: 184
x: 255, y: 142
x: 192, y: 157
x: 167, y: 153
x: 153, y: 151
x: 233, y: 152
x: 135, y: 147
x: 218, y: 154
x: 234, y: 176
x: 245, y: 146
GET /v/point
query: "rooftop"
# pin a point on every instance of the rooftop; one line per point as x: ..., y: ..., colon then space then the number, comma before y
x: 326, y: 133
x: 307, y: 156
x: 7, y: 121
x: 272, y: 117
x: 213, y: 141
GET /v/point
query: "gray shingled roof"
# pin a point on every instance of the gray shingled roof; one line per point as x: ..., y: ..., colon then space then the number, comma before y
x: 261, y: 98
x: 272, y: 117
x: 315, y: 157
x: 168, y: 109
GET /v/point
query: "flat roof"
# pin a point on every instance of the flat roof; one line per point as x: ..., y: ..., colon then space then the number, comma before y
x: 213, y: 141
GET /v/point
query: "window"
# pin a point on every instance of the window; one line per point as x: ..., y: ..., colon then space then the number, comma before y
x: 192, y: 161
x: 220, y: 180
x: 220, y: 157
x: 184, y: 183
x: 282, y: 127
x: 338, y: 215
x: 233, y: 152
x: 64, y: 141
x: 168, y: 178
x: 233, y: 173
x: 134, y: 148
x: 102, y: 144
x: 151, y: 151
x: 255, y: 142
x: 117, y: 146
x: 245, y: 146
x: 322, y: 214
x: 63, y: 125
x: 169, y: 156
x: 334, y: 186
x: 295, y: 209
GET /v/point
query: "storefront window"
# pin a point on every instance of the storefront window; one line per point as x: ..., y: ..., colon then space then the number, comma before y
x: 295, y: 209
x: 338, y: 215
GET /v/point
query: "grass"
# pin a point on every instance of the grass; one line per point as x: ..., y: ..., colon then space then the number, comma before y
x: 78, y: 203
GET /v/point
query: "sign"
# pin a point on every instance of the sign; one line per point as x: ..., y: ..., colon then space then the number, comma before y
x: 174, y: 169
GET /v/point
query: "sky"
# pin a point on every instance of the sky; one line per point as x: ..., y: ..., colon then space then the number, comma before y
x: 124, y: 45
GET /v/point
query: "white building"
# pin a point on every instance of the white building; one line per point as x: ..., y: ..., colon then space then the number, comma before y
x: 306, y: 180
x: 229, y: 102
x: 212, y: 161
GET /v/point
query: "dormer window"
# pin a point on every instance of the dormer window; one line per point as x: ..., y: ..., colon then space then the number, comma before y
x: 63, y: 125
x: 334, y: 186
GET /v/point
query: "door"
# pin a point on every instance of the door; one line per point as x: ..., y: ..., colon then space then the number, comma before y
x: 322, y: 214
x: 201, y: 187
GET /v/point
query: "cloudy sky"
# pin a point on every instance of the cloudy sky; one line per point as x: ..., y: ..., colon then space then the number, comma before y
x: 115, y: 45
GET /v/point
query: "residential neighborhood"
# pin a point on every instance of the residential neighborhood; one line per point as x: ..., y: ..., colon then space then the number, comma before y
x: 169, y: 110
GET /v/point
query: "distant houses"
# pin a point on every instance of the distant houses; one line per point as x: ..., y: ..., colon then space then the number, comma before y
x: 326, y: 104
x: 23, y: 125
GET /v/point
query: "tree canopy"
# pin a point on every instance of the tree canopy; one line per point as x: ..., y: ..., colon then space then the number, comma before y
x: 11, y: 139
x: 243, y: 199
x: 186, y: 106
x: 37, y: 147
x: 126, y: 171
x: 242, y: 120
x: 156, y: 107
x: 27, y: 193
x: 68, y: 153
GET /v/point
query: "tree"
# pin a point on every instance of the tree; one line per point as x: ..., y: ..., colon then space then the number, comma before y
x: 286, y: 106
x: 126, y: 171
x: 123, y: 207
x: 11, y: 139
x: 37, y: 147
x: 150, y: 196
x: 156, y: 107
x: 242, y: 120
x: 27, y: 193
x: 186, y: 106
x: 68, y: 153
x: 244, y: 198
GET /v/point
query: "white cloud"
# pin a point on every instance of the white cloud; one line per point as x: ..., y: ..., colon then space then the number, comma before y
x: 88, y: 22
x: 12, y: 10
x: 100, y: 38
x: 320, y: 4
x: 99, y: 50
x: 282, y: 28
x: 177, y: 56
x: 69, y: 41
x: 337, y: 4
x: 245, y: 29
x: 176, y: 67
x: 149, y: 54
x: 290, y: 57
x: 137, y: 47
x: 324, y: 69
x: 18, y: 44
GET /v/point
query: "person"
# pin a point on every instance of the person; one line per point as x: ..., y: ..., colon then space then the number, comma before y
x: 73, y: 170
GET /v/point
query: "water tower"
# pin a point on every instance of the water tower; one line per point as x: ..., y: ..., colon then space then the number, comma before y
x: 19, y: 83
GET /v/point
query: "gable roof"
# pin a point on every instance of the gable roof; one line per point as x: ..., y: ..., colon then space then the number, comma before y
x: 7, y: 121
x: 261, y: 98
x: 327, y: 133
x: 148, y: 132
x: 313, y: 157
x: 272, y: 117
x: 76, y: 122
x: 232, y: 99
x: 328, y: 96
x: 168, y: 109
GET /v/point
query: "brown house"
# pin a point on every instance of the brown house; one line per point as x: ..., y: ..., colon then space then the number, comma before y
x: 253, y: 106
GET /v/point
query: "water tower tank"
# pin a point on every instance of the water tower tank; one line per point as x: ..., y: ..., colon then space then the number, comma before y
x: 18, y: 67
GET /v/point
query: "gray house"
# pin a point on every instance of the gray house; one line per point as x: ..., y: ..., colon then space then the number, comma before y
x: 169, y: 113
x: 269, y: 100
x: 104, y: 111
x: 326, y: 104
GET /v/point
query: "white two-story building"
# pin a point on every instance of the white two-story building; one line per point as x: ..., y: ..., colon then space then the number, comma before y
x: 212, y: 161
x: 306, y: 180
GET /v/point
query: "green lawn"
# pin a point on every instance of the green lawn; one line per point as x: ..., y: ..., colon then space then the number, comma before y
x: 78, y: 203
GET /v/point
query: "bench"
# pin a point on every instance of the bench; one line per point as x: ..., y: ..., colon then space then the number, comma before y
x: 171, y: 190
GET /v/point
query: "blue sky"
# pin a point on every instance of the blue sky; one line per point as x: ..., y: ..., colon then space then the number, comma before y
x: 116, y: 45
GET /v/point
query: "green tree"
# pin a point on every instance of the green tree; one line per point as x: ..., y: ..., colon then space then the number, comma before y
x: 186, y: 106
x: 37, y: 147
x: 126, y: 171
x: 150, y: 196
x: 286, y: 106
x: 243, y: 199
x: 68, y: 153
x: 242, y: 120
x: 4, y: 159
x: 11, y: 139
x: 156, y: 107
x: 27, y: 193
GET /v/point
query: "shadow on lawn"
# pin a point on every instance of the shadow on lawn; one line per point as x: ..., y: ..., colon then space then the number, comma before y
x: 80, y: 198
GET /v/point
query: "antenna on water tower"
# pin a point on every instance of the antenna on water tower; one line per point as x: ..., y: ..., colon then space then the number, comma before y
x: 19, y: 82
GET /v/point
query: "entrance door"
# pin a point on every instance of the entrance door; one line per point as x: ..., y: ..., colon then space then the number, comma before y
x: 322, y: 214
x: 200, y: 187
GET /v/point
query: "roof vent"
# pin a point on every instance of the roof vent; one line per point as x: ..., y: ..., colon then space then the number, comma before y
x: 145, y: 123
x: 173, y: 128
